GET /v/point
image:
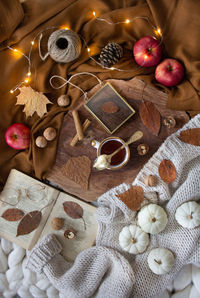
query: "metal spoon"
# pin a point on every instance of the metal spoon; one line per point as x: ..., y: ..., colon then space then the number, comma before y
x: 103, y: 161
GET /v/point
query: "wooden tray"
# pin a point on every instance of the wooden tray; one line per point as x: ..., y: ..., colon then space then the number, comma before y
x: 100, y: 182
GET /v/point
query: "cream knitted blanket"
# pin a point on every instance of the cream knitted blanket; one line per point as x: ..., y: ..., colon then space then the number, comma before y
x: 105, y: 270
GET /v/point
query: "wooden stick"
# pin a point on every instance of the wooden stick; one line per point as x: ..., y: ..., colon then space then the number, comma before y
x: 78, y: 125
x: 75, y: 138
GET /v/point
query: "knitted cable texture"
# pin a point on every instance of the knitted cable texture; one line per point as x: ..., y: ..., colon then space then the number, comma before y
x: 107, y: 271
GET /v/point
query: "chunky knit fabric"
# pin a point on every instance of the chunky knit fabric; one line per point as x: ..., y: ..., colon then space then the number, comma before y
x: 106, y: 270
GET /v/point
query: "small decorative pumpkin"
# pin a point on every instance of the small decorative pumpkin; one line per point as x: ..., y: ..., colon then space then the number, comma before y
x: 133, y: 239
x: 160, y: 260
x: 152, y: 219
x: 188, y: 215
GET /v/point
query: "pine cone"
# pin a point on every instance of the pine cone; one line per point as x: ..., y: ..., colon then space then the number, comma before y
x: 110, y: 54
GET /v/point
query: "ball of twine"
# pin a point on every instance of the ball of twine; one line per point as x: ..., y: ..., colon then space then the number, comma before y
x: 64, y: 45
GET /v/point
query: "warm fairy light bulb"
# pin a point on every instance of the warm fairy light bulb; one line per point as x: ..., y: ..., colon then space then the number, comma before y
x: 159, y: 31
x: 11, y: 91
x: 29, y: 74
x: 127, y: 21
x: 112, y: 68
x: 88, y: 49
x: 94, y: 13
x: 66, y: 28
x: 27, y: 80
x: 32, y: 42
x: 145, y: 57
x: 15, y: 50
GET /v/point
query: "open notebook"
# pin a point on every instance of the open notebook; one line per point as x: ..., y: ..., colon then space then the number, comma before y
x: 32, y: 207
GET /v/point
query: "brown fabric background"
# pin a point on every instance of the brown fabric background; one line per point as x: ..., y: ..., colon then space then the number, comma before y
x: 179, y: 21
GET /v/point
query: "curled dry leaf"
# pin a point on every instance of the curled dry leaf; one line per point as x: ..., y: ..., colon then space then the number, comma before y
x: 190, y: 136
x: 167, y: 171
x: 133, y: 197
x: 29, y: 222
x: 150, y: 117
x: 110, y: 107
x: 74, y: 210
x: 13, y: 214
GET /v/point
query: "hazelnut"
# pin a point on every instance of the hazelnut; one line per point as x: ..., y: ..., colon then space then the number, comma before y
x: 41, y: 142
x: 57, y: 223
x: 169, y: 122
x: 63, y: 100
x: 151, y: 180
x: 69, y: 234
x: 49, y: 133
x: 142, y: 149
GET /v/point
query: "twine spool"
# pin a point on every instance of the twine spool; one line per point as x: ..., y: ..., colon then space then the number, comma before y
x: 63, y: 46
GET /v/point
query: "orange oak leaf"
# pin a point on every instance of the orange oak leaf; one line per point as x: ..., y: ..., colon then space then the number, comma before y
x: 150, y: 117
x: 132, y: 198
x: 13, y: 214
x: 29, y: 222
x: 190, y: 136
x: 167, y: 171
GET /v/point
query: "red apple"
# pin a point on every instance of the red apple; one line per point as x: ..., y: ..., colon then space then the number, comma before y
x: 147, y: 51
x: 17, y: 136
x: 169, y: 72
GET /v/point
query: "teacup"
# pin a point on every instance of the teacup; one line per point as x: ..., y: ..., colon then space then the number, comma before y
x: 108, y: 146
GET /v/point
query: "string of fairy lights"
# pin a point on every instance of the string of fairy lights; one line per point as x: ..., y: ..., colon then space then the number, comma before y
x: 19, y: 53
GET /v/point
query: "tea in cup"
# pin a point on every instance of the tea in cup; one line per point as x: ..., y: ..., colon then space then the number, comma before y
x: 108, y: 146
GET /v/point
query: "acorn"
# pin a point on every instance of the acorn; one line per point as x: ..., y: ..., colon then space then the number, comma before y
x: 49, y: 133
x: 69, y: 234
x: 63, y: 100
x: 170, y: 122
x: 57, y: 223
x: 41, y: 142
x: 142, y: 149
x: 151, y: 180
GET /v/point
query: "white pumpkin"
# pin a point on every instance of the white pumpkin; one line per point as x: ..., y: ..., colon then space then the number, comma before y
x: 160, y: 260
x: 188, y: 215
x: 133, y: 239
x: 152, y: 219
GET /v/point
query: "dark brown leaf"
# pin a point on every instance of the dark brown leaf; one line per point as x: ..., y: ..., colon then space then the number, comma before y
x: 167, y: 171
x: 73, y: 209
x: 29, y: 222
x: 109, y: 107
x: 13, y: 214
x: 150, y: 117
x: 133, y: 197
x: 190, y: 136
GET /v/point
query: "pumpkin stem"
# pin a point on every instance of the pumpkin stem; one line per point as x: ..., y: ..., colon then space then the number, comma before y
x: 133, y: 240
x: 153, y: 219
x: 158, y: 262
x: 190, y: 216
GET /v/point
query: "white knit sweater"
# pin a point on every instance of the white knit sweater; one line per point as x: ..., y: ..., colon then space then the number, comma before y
x: 107, y: 271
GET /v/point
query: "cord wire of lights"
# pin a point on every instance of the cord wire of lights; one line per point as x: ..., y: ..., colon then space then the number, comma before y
x: 27, y: 79
x: 68, y: 82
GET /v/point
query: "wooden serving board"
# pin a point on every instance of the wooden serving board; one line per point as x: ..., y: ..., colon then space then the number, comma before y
x: 100, y: 181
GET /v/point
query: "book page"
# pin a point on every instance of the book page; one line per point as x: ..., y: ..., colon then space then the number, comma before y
x: 25, y: 194
x: 84, y: 229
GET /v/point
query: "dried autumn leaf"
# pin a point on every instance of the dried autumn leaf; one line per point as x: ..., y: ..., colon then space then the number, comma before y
x: 13, y: 214
x: 109, y: 107
x: 133, y: 197
x: 74, y: 210
x: 29, y: 222
x: 150, y: 117
x: 33, y: 101
x: 78, y: 169
x: 190, y: 136
x: 167, y: 171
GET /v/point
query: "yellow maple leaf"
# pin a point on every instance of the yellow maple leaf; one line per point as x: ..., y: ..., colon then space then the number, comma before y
x: 33, y: 101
